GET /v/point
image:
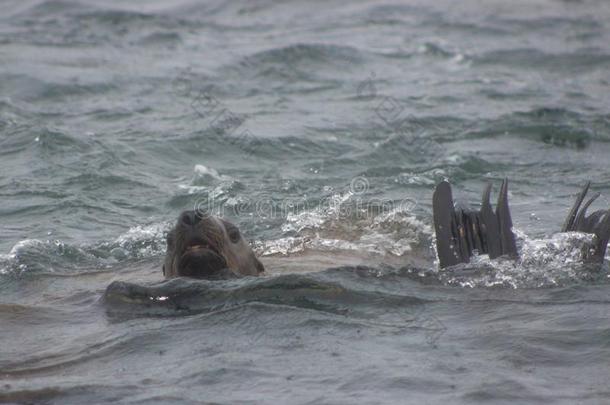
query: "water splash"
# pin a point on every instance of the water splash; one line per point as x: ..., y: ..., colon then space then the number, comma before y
x: 343, y: 224
x: 34, y: 255
x: 207, y: 180
x: 547, y: 262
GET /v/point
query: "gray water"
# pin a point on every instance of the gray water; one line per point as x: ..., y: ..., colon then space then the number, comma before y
x: 320, y: 128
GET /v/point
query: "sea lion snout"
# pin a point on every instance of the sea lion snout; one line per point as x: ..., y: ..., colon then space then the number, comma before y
x: 191, y: 218
x: 204, y: 246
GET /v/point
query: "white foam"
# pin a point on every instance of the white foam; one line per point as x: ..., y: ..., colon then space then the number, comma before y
x: 192, y: 189
x: 140, y: 241
x: 9, y: 262
x: 328, y: 210
x: 205, y: 180
x: 542, y: 262
x: 139, y: 233
x: 137, y: 242
x: 339, y: 224
x: 203, y: 171
x: 559, y: 249
x: 24, y: 244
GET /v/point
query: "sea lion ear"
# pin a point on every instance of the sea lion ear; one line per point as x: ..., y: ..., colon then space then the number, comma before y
x: 163, y: 269
x: 259, y: 266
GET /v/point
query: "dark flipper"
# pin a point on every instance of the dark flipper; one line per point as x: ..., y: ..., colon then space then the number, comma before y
x: 598, y: 223
x: 603, y: 236
x: 505, y: 222
x: 489, y: 226
x: 580, y: 220
x: 568, y: 225
x: 445, y: 226
x: 460, y: 231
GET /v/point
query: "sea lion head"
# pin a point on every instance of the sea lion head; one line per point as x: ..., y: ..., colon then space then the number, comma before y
x: 204, y: 246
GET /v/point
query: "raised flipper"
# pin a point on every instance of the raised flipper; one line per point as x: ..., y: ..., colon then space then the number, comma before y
x: 580, y: 220
x: 505, y: 223
x: 489, y: 225
x: 445, y: 226
x: 572, y: 214
x: 597, y: 223
x: 460, y: 231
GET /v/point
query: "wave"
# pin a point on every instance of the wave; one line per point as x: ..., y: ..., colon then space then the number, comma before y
x: 31, y: 88
x: 64, y: 24
x: 325, y: 291
x: 554, y: 23
x: 555, y: 126
x: 48, y: 8
x: 583, y: 60
x: 301, y: 62
x: 305, y: 53
x: 31, y: 256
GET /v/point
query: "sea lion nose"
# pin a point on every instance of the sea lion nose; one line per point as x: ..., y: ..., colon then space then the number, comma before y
x: 190, y: 218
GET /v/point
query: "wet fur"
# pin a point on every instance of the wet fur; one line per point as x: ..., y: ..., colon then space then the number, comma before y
x: 217, y: 234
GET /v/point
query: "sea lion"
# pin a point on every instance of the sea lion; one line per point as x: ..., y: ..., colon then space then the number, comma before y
x: 204, y: 246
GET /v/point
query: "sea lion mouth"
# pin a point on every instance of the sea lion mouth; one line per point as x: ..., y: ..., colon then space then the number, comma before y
x: 194, y: 249
x: 201, y: 260
x: 198, y: 245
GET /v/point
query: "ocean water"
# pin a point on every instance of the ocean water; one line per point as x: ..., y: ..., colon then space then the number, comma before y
x: 320, y: 129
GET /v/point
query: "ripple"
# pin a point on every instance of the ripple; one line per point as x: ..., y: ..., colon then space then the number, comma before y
x: 300, y: 62
x: 34, y: 89
x: 555, y: 126
x: 576, y: 62
x: 320, y: 292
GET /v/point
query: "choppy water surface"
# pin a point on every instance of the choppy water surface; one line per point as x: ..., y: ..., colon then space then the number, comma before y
x: 321, y: 130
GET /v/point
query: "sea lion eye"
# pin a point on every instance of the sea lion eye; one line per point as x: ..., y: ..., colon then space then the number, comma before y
x: 233, y: 233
